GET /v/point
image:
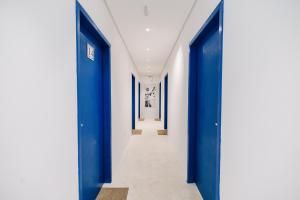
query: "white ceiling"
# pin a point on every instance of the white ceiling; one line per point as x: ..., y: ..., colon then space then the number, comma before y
x: 165, y: 20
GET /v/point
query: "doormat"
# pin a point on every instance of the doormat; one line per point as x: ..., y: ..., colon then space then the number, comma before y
x: 157, y: 119
x: 162, y: 132
x: 113, y: 194
x: 141, y: 119
x: 137, y: 131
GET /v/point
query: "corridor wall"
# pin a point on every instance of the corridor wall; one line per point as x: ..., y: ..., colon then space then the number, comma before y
x: 260, y: 101
x: 38, y: 98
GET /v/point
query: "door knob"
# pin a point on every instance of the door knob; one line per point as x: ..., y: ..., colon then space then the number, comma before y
x: 216, y: 124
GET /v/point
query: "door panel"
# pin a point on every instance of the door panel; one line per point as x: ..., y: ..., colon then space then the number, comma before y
x: 133, y: 101
x: 204, y: 117
x: 139, y: 101
x: 207, y: 110
x: 159, y: 100
x: 90, y: 117
x: 166, y: 103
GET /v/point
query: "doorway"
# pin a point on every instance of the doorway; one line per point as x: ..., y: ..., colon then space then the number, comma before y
x: 94, y: 106
x: 159, y: 110
x: 139, y: 101
x: 166, y: 103
x: 204, y: 118
x: 133, y: 102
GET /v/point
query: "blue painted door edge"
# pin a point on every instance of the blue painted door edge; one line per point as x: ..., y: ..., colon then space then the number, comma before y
x: 159, y: 114
x: 219, y: 10
x: 139, y: 101
x: 166, y: 92
x: 132, y: 101
x: 81, y: 13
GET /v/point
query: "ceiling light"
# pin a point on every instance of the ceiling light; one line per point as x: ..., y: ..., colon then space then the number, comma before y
x: 147, y: 29
x: 148, y: 49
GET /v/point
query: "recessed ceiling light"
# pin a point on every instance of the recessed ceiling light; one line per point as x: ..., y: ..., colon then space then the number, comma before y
x: 148, y: 49
x: 147, y: 29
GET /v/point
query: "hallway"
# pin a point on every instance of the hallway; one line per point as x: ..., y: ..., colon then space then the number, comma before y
x: 220, y: 77
x: 151, y: 169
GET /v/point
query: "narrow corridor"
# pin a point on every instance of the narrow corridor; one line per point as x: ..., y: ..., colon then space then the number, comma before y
x: 151, y: 170
x: 77, y: 79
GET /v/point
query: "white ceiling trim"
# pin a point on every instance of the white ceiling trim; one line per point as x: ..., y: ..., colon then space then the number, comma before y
x: 180, y: 33
x: 122, y: 38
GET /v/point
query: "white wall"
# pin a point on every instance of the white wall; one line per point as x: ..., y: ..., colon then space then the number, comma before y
x: 260, y: 109
x: 261, y: 95
x: 149, y: 113
x: 38, y: 107
x: 177, y: 70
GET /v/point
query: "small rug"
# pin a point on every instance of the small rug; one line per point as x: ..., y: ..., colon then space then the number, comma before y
x: 137, y: 131
x: 141, y: 119
x: 162, y: 132
x: 157, y: 119
x: 113, y: 194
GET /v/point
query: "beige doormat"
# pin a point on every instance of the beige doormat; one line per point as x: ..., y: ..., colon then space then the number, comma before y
x: 113, y: 194
x: 137, y: 131
x: 141, y: 119
x: 162, y: 132
x: 157, y: 119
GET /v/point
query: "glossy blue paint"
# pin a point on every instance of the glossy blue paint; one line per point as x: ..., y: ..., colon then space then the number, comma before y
x: 204, y: 118
x: 133, y: 101
x: 159, y: 100
x: 139, y: 111
x: 94, y: 107
x: 166, y: 103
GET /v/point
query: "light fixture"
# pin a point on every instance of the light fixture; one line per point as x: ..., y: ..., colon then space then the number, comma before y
x: 148, y: 49
x: 147, y: 29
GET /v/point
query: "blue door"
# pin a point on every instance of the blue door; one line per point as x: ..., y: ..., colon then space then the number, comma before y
x: 166, y: 103
x: 204, y: 108
x: 93, y: 84
x: 139, y: 115
x: 91, y: 117
x: 133, y: 101
x: 159, y: 100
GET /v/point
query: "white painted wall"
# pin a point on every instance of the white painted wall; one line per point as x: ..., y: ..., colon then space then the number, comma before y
x: 38, y: 106
x: 261, y: 95
x: 260, y: 109
x: 177, y: 70
x: 149, y: 113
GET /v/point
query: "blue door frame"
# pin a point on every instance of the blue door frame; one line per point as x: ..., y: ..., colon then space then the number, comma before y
x: 139, y: 106
x: 133, y: 101
x: 166, y: 103
x: 204, y: 109
x: 159, y: 114
x: 94, y: 106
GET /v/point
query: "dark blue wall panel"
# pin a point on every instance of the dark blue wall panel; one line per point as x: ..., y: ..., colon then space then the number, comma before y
x: 133, y: 101
x: 159, y: 100
x: 205, y: 107
x: 166, y: 103
x: 94, y: 103
x: 139, y: 106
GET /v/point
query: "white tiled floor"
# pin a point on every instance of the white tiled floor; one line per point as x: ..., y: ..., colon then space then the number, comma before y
x: 151, y: 170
